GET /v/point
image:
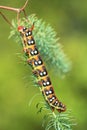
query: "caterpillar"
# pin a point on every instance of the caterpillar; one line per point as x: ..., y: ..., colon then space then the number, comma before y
x: 38, y: 68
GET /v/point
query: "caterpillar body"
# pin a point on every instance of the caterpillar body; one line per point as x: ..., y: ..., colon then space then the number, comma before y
x: 39, y: 69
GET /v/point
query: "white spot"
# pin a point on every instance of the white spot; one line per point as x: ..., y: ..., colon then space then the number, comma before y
x: 44, y: 72
x: 41, y: 73
x: 29, y: 33
x: 29, y: 42
x: 47, y: 92
x: 48, y: 82
x: 53, y: 97
x: 50, y: 99
x: 36, y: 63
x: 55, y: 103
x: 26, y: 34
x: 32, y: 41
x: 39, y: 62
x: 50, y: 91
x: 44, y: 84
x: 32, y: 52
x: 24, y: 28
x: 35, y: 51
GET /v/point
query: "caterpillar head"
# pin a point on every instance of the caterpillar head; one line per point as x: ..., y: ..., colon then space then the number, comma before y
x: 21, y: 29
x: 24, y: 30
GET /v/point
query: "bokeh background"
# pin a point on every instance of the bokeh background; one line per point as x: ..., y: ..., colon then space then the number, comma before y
x: 69, y: 19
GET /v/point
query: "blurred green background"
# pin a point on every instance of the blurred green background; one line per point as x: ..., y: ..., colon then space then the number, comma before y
x: 69, y: 19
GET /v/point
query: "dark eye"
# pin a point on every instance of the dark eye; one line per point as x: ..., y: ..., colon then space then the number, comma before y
x: 24, y: 29
x: 29, y: 33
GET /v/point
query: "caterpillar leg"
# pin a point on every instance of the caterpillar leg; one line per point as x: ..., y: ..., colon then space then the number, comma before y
x: 30, y: 61
x: 39, y: 83
x: 35, y: 73
x: 52, y: 109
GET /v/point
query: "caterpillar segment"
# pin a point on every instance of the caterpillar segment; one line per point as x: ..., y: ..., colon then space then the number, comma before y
x: 39, y: 69
x: 41, y: 72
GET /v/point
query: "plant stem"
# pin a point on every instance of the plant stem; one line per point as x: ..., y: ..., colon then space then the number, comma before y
x: 17, y: 10
x: 54, y: 114
x: 6, y: 19
x: 10, y: 8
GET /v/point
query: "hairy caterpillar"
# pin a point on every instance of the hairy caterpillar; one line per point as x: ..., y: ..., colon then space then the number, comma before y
x: 39, y: 69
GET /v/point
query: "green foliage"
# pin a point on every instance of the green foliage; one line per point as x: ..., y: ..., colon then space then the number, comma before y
x: 59, y: 121
x: 47, y: 43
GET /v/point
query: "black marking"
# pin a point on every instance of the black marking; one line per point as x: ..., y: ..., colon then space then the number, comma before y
x: 55, y: 103
x: 36, y: 51
x: 60, y: 104
x: 49, y: 92
x: 38, y: 62
x: 35, y: 63
x: 43, y: 73
x: 28, y: 33
x: 51, y: 99
x: 30, y: 41
x: 24, y: 29
x: 46, y: 83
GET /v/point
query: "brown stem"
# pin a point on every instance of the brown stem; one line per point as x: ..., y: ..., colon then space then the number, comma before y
x: 24, y: 5
x: 9, y: 8
x: 17, y: 10
x: 6, y: 19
